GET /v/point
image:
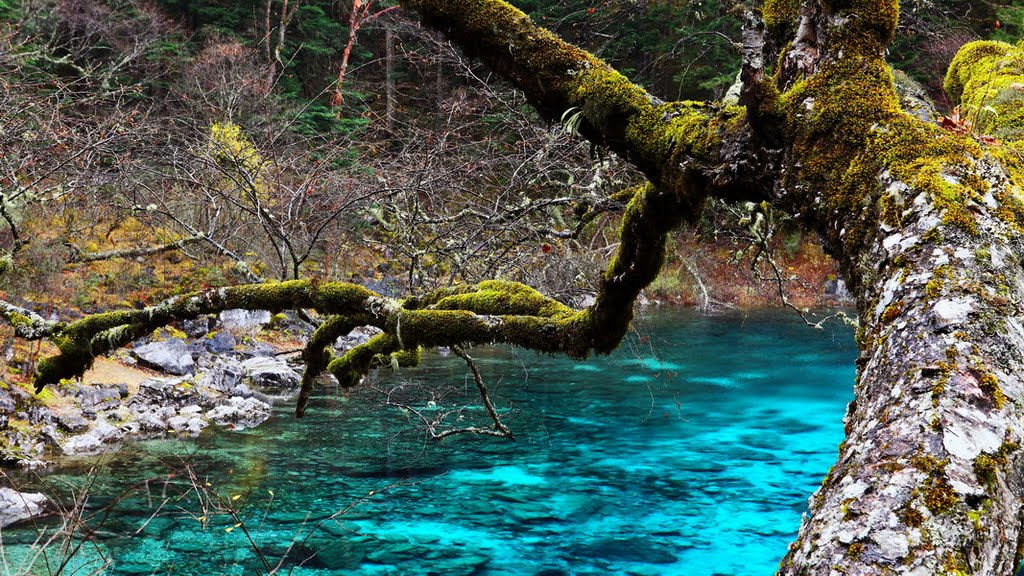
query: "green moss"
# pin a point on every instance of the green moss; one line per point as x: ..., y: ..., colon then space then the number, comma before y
x: 891, y: 312
x: 989, y: 383
x: 350, y: 368
x: 891, y: 210
x: 912, y: 516
x: 855, y: 550
x: 986, y: 468
x: 945, y: 370
x: 987, y: 79
x: 17, y: 320
x: 975, y: 517
x: 408, y: 358
x: 939, y: 495
x: 507, y: 298
x: 780, y: 16
x: 933, y: 289
x: 844, y: 508
x: 847, y: 128
x: 954, y: 564
x: 927, y: 463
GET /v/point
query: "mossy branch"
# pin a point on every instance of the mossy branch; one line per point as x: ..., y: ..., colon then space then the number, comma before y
x: 81, y: 341
x: 317, y: 354
x: 27, y: 324
x: 987, y: 80
x: 79, y: 255
x: 530, y: 320
x: 657, y: 137
x: 487, y: 312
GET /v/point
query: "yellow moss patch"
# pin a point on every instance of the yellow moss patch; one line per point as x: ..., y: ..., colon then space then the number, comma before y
x: 939, y: 495
x: 987, y: 79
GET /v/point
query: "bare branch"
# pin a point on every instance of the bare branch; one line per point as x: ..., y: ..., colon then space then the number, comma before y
x: 499, y: 426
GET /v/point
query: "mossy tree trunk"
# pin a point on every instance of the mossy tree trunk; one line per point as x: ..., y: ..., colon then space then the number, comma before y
x: 925, y: 223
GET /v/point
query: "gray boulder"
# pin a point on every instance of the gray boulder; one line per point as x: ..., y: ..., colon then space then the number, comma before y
x: 272, y: 373
x: 224, y: 376
x: 151, y: 421
x: 221, y: 342
x: 186, y: 424
x: 171, y: 356
x: 240, y: 413
x: 19, y: 506
x: 94, y: 399
x: 196, y: 328
x: 93, y: 441
x: 72, y: 421
x: 7, y: 405
x: 244, y: 319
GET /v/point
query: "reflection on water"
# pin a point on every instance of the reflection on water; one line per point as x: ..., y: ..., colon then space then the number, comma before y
x: 692, y: 451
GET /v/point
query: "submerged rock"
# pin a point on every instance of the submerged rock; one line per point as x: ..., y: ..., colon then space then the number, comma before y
x: 629, y: 550
x: 20, y: 506
x: 337, y: 553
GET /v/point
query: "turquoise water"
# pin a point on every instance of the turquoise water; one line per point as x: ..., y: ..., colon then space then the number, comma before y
x: 692, y: 452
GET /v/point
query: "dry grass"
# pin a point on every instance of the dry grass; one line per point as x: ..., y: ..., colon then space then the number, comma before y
x: 108, y: 371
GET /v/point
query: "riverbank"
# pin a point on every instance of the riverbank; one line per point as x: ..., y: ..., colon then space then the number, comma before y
x: 227, y: 371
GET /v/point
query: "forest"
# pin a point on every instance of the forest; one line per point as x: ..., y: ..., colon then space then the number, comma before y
x: 274, y: 202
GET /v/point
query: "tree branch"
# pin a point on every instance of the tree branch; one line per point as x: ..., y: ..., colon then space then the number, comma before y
x: 78, y: 255
x: 499, y: 426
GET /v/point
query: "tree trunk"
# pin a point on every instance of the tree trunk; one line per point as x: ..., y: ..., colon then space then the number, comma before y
x: 389, y: 81
x: 928, y: 480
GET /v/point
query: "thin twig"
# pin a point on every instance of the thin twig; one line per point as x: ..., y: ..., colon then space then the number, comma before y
x: 484, y: 396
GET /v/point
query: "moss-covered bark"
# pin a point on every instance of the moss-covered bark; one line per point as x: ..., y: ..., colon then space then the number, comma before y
x: 987, y: 80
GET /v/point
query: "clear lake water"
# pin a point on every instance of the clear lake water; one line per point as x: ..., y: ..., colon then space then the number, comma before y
x: 691, y: 451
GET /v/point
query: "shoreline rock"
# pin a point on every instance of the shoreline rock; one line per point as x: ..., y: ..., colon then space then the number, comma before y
x: 211, y: 379
x: 17, y: 507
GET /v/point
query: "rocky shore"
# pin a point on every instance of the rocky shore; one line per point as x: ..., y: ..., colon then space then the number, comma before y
x: 213, y: 372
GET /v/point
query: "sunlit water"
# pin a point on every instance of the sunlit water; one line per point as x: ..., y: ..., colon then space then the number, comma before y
x: 691, y: 451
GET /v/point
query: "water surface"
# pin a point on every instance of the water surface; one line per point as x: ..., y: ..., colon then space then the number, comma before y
x: 691, y: 452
